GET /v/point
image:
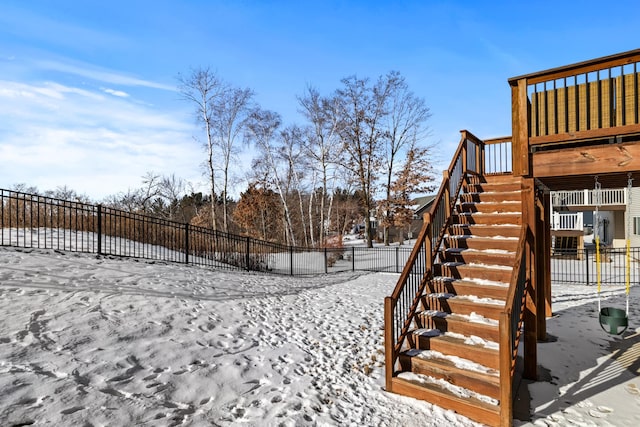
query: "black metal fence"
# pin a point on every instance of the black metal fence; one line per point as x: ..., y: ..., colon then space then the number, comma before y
x: 32, y: 221
x: 579, y: 266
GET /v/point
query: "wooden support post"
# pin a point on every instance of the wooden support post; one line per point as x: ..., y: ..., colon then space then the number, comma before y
x: 540, y: 250
x: 530, y: 311
x: 520, y: 128
x: 547, y: 256
x: 389, y: 343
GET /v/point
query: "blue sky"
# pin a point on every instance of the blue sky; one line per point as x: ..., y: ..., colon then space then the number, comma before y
x: 88, y: 89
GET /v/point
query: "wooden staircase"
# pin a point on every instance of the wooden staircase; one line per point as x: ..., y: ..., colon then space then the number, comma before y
x: 453, y: 359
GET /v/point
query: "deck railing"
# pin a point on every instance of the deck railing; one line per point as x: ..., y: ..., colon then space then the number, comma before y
x: 593, y: 99
x: 607, y: 197
x: 510, y: 323
x: 497, y: 156
x: 567, y: 221
x: 400, y: 307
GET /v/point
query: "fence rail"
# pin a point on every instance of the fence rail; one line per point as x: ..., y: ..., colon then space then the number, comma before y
x: 579, y: 266
x: 32, y: 221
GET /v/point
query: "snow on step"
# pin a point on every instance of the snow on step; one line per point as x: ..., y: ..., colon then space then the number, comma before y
x: 472, y: 318
x: 488, y: 213
x: 454, y: 389
x: 467, y: 236
x: 480, y: 282
x: 487, y: 282
x: 491, y: 266
x: 482, y: 251
x: 479, y: 300
x: 458, y: 362
x: 471, y: 298
x: 478, y: 318
x: 474, y: 340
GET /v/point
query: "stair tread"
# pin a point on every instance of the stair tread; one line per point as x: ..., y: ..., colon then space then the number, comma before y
x: 470, y: 318
x: 453, y: 362
x: 472, y: 281
x: 471, y: 299
x: 442, y: 386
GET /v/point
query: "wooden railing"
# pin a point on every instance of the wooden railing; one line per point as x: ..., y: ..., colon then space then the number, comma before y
x: 497, y: 156
x: 593, y: 99
x: 400, y: 308
x: 510, y: 322
x: 606, y: 197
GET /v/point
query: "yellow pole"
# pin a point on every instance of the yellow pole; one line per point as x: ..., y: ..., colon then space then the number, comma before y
x: 598, y: 268
x: 628, y: 273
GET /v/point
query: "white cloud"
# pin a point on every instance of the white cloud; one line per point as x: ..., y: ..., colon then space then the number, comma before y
x: 118, y: 93
x: 100, y: 74
x: 54, y: 135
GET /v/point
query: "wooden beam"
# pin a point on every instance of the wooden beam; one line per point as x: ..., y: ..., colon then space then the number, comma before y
x: 595, y: 160
x: 585, y: 134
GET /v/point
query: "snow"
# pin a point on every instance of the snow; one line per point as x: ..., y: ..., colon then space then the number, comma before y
x: 87, y: 340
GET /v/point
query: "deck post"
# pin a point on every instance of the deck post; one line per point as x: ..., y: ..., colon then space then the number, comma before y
x: 530, y: 311
x: 546, y: 271
x: 389, y: 343
x: 520, y: 127
x: 541, y: 214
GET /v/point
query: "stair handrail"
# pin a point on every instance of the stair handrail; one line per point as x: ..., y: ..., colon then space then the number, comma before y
x: 400, y: 307
x: 511, y: 320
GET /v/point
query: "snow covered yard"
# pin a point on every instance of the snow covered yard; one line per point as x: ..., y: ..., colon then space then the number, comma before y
x: 107, y: 341
x: 110, y: 341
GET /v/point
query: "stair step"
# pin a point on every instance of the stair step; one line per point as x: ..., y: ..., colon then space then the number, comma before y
x: 480, y: 289
x: 487, y: 256
x: 496, y: 273
x: 497, y: 187
x: 481, y: 243
x: 511, y: 218
x: 491, y: 197
x: 467, y: 325
x: 465, y: 305
x: 477, y: 350
x: 453, y: 369
x: 505, y: 206
x: 495, y: 231
x: 419, y: 387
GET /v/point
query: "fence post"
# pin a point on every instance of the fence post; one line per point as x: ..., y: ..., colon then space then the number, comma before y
x: 247, y: 255
x: 99, y: 229
x: 397, y: 262
x: 291, y: 259
x: 353, y: 258
x: 586, y: 257
x: 186, y: 243
x: 325, y: 261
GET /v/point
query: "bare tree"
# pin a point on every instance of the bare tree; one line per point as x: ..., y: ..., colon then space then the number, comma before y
x: 292, y: 154
x: 363, y: 108
x: 203, y: 88
x: 406, y: 119
x: 261, y: 130
x: 323, y: 146
x: 230, y: 117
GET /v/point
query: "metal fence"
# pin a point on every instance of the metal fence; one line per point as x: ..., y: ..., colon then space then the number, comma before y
x: 32, y: 221
x: 579, y: 266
